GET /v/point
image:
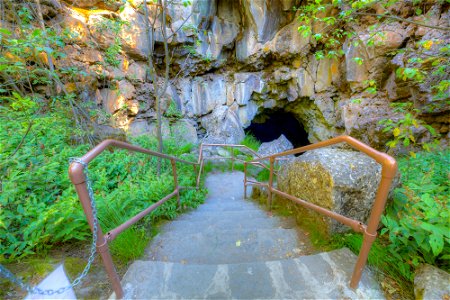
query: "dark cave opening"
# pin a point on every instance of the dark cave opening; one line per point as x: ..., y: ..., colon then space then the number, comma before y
x: 269, y: 125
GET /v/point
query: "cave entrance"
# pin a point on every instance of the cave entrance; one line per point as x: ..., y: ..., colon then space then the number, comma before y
x: 269, y: 125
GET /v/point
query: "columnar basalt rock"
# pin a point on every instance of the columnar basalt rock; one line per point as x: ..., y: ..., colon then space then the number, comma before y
x: 245, y: 57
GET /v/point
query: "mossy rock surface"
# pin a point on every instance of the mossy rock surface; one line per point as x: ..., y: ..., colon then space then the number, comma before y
x: 342, y: 181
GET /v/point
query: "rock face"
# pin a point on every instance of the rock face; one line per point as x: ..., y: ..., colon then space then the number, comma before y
x: 232, y: 60
x: 279, y: 145
x: 342, y: 181
x: 431, y: 283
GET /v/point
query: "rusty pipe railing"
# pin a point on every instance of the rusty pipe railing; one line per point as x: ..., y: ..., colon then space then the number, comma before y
x: 79, y: 180
x: 201, y: 158
x: 369, y: 231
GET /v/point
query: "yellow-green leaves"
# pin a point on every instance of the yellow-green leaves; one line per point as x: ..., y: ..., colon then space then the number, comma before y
x: 396, y: 132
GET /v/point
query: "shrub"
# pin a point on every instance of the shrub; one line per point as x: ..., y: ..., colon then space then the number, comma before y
x: 417, y: 222
x: 39, y: 206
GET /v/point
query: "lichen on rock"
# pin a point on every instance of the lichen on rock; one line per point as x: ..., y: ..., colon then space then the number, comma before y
x: 339, y: 180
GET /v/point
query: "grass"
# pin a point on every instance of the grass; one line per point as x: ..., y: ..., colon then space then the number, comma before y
x: 128, y: 245
x: 251, y: 142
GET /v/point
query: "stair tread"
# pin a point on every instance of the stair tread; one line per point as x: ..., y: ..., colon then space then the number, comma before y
x: 225, y: 246
x: 324, y: 275
x: 229, y: 215
x: 229, y: 248
x: 200, y: 224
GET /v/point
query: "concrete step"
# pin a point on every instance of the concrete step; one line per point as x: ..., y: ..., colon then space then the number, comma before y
x: 224, y: 246
x: 212, y: 216
x: 243, y: 205
x: 199, y: 225
x: 321, y: 276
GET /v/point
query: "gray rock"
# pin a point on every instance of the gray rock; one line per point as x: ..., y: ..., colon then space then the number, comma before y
x: 388, y: 37
x: 207, y: 93
x: 342, y: 181
x: 361, y: 120
x: 184, y: 132
x: 136, y: 72
x: 139, y: 127
x: 247, y: 46
x: 202, y: 12
x: 264, y: 17
x: 222, y: 126
x: 222, y: 35
x: 305, y: 82
x: 247, y: 113
x: 356, y: 72
x: 245, y: 85
x: 324, y: 77
x: 288, y: 41
x: 431, y: 283
x: 165, y: 129
x: 126, y: 89
x: 276, y: 146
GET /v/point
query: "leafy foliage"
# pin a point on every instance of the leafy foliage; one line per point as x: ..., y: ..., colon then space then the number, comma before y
x: 418, y: 220
x: 334, y: 25
x: 32, y: 69
x: 39, y: 206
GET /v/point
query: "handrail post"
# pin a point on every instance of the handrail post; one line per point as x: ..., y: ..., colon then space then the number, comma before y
x: 232, y: 159
x: 370, y: 233
x: 200, y: 169
x: 245, y: 180
x: 272, y: 159
x: 79, y: 180
x: 175, y: 182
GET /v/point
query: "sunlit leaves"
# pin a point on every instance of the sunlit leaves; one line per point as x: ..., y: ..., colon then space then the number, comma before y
x: 358, y: 60
x: 411, y: 74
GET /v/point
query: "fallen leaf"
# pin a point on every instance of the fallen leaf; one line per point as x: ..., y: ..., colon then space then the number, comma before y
x: 238, y: 243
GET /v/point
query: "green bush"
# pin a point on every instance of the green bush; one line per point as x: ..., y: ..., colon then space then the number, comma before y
x: 39, y: 206
x: 417, y: 222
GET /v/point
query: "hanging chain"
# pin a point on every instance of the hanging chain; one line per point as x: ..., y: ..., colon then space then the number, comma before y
x: 93, y: 251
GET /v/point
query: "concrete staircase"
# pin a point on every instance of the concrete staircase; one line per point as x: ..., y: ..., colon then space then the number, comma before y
x: 231, y: 249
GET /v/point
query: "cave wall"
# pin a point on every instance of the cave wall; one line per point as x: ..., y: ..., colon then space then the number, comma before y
x: 248, y: 57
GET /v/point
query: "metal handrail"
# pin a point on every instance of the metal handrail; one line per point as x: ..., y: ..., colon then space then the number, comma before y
x: 78, y: 178
x: 201, y: 159
x: 369, y: 231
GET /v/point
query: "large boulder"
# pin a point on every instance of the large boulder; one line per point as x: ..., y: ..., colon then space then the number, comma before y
x: 431, y: 283
x: 281, y: 144
x: 339, y: 180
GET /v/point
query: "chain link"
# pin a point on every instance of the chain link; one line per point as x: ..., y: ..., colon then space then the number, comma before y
x: 93, y: 251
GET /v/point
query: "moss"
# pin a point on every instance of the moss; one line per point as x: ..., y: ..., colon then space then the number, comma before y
x: 312, y: 183
x: 35, y: 269
x: 310, y: 221
x: 74, y: 266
